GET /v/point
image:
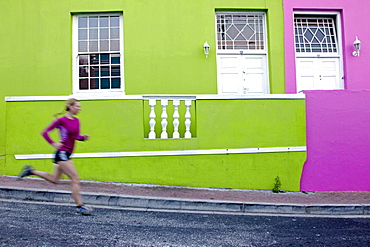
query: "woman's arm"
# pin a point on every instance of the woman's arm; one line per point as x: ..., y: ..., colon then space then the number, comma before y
x: 81, y: 137
x: 45, y: 134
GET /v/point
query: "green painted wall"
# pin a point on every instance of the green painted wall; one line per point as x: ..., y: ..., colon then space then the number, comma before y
x: 162, y: 45
x: 163, y: 54
x: 220, y: 124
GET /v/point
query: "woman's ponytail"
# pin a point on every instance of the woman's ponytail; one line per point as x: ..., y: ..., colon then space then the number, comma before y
x: 56, y: 115
x: 69, y: 103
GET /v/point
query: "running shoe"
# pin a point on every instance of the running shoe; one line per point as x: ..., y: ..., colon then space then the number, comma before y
x: 84, y: 210
x: 25, y: 172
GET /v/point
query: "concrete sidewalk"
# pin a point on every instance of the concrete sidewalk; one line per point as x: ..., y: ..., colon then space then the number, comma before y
x: 189, y: 199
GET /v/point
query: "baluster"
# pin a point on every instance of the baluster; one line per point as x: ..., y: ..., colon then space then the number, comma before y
x: 164, y: 103
x: 176, y: 117
x: 187, y: 119
x: 152, y: 103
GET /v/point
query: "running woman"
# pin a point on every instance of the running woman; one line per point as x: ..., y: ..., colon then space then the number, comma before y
x: 69, y: 130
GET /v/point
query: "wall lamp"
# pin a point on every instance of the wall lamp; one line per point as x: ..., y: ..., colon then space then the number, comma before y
x: 357, y: 45
x: 206, y: 48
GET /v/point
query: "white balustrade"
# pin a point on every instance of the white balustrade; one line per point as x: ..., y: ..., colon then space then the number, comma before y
x: 187, y: 119
x: 176, y: 102
x: 152, y: 103
x: 176, y: 116
x: 164, y: 116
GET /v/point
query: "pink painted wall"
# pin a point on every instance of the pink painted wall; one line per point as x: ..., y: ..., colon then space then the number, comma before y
x: 338, y: 141
x: 355, y: 22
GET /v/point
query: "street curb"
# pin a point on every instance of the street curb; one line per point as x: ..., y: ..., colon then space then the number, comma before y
x: 160, y: 203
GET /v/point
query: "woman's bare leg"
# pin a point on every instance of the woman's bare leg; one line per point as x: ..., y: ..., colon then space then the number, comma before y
x: 69, y: 169
x: 49, y: 177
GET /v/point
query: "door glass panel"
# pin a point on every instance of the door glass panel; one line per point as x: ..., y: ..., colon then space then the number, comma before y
x: 240, y: 31
x: 315, y: 34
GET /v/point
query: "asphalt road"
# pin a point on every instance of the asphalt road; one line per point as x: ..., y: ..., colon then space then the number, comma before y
x: 32, y: 224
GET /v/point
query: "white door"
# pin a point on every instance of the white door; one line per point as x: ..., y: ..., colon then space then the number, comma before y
x: 318, y: 74
x: 318, y: 51
x: 230, y: 74
x: 254, y: 73
x: 242, y: 74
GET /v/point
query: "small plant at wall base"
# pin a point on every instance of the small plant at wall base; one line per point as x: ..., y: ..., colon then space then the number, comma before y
x: 277, y: 185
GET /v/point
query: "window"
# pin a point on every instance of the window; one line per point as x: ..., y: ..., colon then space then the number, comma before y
x: 240, y: 32
x: 98, y: 50
x: 315, y: 34
x: 241, y: 53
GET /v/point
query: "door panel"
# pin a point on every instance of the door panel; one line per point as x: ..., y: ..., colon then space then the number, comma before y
x: 254, y: 76
x: 230, y: 83
x: 230, y: 75
x: 318, y: 74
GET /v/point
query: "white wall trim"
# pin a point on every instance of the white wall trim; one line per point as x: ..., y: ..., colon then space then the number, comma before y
x: 146, y: 97
x: 251, y: 96
x: 168, y: 153
x: 63, y: 98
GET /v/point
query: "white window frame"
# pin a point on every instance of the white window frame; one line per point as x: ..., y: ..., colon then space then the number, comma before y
x: 113, y: 93
x: 339, y: 54
x: 244, y: 52
x: 336, y: 16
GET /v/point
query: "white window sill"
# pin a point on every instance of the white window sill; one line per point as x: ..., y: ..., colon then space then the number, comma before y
x: 146, y: 97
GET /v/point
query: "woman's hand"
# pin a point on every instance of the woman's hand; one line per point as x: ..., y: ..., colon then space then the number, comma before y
x: 86, y: 137
x: 57, y: 145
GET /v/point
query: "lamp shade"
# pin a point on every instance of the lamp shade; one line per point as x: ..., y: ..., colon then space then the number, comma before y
x: 357, y: 44
x: 206, y: 48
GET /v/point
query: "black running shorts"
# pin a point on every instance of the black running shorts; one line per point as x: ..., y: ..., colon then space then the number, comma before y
x: 61, y: 156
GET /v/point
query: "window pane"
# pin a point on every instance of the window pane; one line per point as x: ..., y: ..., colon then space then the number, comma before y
x: 114, y: 45
x: 94, y: 59
x: 84, y: 84
x: 104, y: 71
x: 93, y: 21
x: 93, y: 46
x: 115, y: 59
x: 114, y: 33
x: 104, y: 58
x: 116, y: 82
x: 84, y: 71
x: 104, y: 21
x: 82, y: 34
x: 104, y: 45
x: 104, y: 33
x: 93, y: 33
x: 94, y: 83
x: 82, y: 22
x: 114, y: 21
x: 83, y: 59
x: 105, y: 83
x: 116, y: 71
x: 94, y: 71
x: 82, y: 46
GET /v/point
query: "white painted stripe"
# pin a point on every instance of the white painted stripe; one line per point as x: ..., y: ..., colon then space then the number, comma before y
x: 146, y: 97
x: 168, y: 153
